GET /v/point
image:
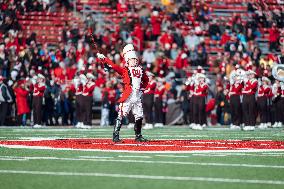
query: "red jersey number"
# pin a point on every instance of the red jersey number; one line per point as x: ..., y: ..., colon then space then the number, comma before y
x: 136, y: 73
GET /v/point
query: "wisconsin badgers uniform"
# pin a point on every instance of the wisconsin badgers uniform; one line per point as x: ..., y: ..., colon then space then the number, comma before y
x: 87, y: 93
x: 148, y: 101
x: 135, y: 81
x: 262, y: 102
x: 79, y: 102
x: 249, y: 103
x: 159, y: 92
x: 38, y: 92
x: 200, y: 93
x: 235, y: 102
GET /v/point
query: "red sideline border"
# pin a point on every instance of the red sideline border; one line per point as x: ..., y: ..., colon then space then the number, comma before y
x: 154, y: 146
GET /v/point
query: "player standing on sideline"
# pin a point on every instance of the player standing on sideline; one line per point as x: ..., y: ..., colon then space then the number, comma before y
x: 249, y: 102
x: 135, y: 81
x: 78, y: 83
x: 200, y: 94
x: 38, y: 91
x: 88, y: 90
x: 148, y: 101
x: 235, y: 92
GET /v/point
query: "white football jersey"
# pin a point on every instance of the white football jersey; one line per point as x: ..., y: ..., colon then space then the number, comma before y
x: 135, y: 74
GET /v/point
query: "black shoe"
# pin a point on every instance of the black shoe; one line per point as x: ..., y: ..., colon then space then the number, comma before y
x: 115, y: 137
x: 140, y: 138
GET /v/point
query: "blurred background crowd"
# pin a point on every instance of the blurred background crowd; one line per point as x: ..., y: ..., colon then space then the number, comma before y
x: 45, y: 44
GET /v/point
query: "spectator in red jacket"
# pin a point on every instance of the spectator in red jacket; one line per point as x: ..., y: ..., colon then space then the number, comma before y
x: 21, y: 91
x: 273, y: 38
x: 121, y: 6
x: 181, y: 61
x: 156, y: 25
x: 225, y: 38
x: 139, y: 34
x: 165, y: 38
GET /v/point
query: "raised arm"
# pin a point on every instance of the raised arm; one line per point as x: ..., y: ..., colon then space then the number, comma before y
x: 106, y: 60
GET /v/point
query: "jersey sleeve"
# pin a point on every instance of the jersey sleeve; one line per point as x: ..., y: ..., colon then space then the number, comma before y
x: 115, y: 67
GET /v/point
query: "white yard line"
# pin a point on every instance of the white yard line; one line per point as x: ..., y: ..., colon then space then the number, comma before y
x: 97, y: 157
x: 152, y: 177
x: 123, y: 156
x: 12, y: 159
x: 148, y: 162
x: 224, y: 154
x: 151, y: 152
x: 174, y: 156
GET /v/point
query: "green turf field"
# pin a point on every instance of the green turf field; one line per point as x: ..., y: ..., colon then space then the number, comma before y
x: 31, y: 168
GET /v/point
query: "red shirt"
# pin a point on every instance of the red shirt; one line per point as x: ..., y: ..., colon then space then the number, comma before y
x: 121, y: 7
x: 39, y: 89
x: 181, y: 62
x: 250, y: 87
x: 166, y: 38
x: 22, y: 100
x: 273, y: 34
x: 225, y: 38
x: 138, y: 32
x: 79, y: 89
x: 201, y: 90
x: 89, y: 88
x: 159, y: 92
x: 236, y: 89
x: 156, y: 25
x: 150, y: 89
x: 70, y: 73
x: 263, y: 90
x: 111, y: 94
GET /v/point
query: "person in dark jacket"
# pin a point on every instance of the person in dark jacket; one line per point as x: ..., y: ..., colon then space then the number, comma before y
x: 5, y: 99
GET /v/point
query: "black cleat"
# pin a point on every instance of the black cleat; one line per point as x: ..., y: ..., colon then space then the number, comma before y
x: 140, y: 138
x: 115, y: 137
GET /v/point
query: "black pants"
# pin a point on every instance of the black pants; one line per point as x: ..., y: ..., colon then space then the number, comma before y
x: 279, y: 110
x: 199, y: 114
x: 37, y: 109
x: 158, y: 110
x: 249, y: 110
x: 148, y: 104
x: 191, y: 104
x: 112, y: 113
x: 87, y: 109
x: 79, y: 108
x: 236, y: 109
x: 185, y: 115
x: 3, y: 112
x: 274, y: 112
x: 262, y: 108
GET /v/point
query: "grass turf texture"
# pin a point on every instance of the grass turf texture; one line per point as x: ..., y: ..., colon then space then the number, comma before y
x: 234, y: 169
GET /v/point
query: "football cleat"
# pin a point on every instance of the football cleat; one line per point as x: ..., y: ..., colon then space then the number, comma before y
x: 115, y: 137
x: 140, y: 138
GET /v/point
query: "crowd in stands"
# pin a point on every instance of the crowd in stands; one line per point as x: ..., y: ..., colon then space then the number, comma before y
x: 172, y: 41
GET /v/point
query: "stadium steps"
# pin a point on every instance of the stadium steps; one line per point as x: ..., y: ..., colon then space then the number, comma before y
x: 229, y: 8
x: 47, y: 26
